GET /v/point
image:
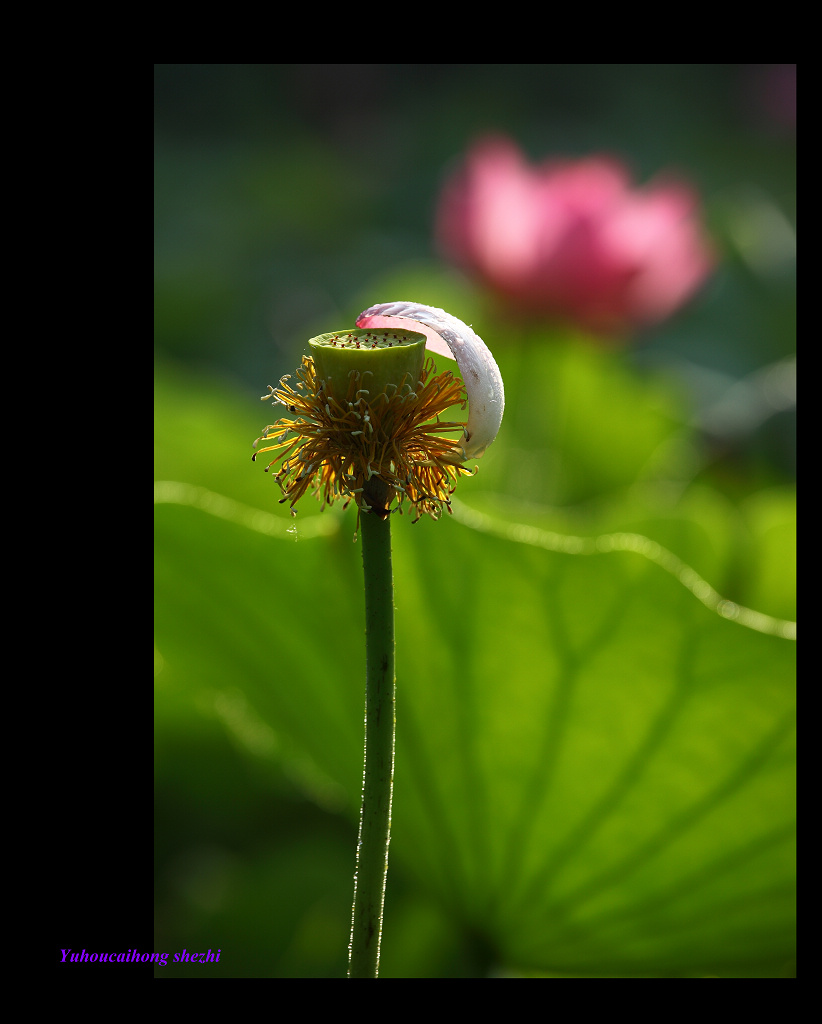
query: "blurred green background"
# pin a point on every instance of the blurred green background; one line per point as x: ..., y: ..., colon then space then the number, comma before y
x: 594, y: 769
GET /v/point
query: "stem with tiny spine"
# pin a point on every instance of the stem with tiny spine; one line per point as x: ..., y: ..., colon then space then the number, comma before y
x: 378, y: 770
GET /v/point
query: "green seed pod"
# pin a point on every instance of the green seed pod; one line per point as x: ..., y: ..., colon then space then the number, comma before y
x: 381, y: 357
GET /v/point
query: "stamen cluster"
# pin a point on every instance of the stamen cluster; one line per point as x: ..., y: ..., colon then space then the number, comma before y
x: 377, y: 450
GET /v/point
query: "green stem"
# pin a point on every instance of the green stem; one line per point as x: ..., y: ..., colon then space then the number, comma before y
x: 378, y: 773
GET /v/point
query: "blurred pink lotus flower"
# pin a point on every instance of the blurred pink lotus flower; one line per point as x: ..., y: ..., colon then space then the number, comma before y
x: 572, y: 239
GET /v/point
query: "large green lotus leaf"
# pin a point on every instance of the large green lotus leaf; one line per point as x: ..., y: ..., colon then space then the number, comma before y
x: 594, y: 769
x: 698, y: 524
x: 770, y: 580
x: 603, y: 765
x: 239, y: 610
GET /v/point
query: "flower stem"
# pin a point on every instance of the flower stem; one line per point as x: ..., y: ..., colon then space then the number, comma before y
x: 378, y: 773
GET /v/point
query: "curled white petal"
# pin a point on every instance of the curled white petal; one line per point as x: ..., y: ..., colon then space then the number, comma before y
x: 448, y: 336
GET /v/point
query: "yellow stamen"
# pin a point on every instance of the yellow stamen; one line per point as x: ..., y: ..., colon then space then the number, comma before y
x: 335, y: 449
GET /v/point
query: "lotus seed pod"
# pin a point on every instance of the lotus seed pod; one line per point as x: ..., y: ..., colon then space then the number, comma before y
x: 380, y: 357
